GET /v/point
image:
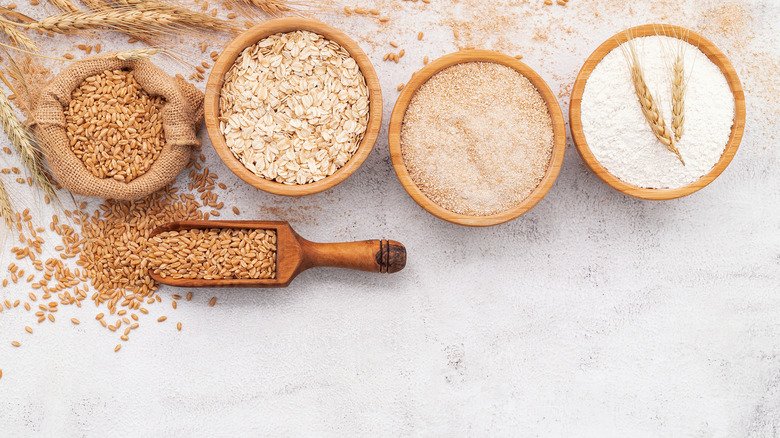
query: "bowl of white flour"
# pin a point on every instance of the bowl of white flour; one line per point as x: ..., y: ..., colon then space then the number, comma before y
x: 657, y: 112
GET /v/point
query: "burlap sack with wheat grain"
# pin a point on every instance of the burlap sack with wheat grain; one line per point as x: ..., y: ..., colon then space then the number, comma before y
x: 181, y: 114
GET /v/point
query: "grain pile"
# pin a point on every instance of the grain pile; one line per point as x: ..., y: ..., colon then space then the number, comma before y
x: 294, y: 107
x: 477, y: 138
x: 215, y: 254
x: 114, y: 127
x: 110, y: 249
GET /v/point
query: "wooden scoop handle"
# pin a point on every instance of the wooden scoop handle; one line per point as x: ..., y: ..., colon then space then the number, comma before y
x: 385, y: 256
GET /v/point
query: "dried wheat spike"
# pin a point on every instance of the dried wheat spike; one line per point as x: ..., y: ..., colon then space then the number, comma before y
x: 18, y: 37
x: 64, y: 5
x: 678, y: 98
x: 650, y: 108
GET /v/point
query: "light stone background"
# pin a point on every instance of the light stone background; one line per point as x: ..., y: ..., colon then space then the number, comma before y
x: 595, y: 314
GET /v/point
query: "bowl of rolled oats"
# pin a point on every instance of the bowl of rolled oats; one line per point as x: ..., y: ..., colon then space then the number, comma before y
x: 293, y: 106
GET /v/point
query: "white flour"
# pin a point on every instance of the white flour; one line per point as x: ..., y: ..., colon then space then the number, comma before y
x: 622, y: 140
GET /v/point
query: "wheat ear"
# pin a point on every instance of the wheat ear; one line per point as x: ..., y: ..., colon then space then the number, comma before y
x: 18, y: 37
x: 650, y: 108
x: 97, y: 5
x: 678, y: 96
x: 24, y: 145
x: 147, y: 22
x: 275, y: 8
x: 187, y: 16
x: 129, y: 55
x: 6, y: 208
x: 64, y: 5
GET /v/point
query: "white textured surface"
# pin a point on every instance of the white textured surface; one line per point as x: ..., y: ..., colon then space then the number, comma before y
x: 594, y: 314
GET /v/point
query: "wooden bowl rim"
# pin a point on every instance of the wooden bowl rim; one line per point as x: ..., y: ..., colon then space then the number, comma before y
x: 252, y: 36
x: 713, y: 54
x: 446, y: 61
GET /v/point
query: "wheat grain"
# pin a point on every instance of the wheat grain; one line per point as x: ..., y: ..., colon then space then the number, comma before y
x: 115, y: 97
x: 215, y: 254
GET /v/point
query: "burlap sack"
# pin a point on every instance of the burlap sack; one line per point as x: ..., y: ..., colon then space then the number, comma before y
x: 181, y: 117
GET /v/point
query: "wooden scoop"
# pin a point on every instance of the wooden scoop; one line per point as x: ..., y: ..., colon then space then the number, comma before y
x: 294, y: 254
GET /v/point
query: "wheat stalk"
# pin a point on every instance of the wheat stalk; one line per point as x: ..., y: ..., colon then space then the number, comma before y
x: 274, y: 8
x: 271, y: 7
x: 97, y: 5
x: 129, y: 55
x: 650, y: 108
x: 64, y: 5
x: 136, y: 54
x: 188, y: 17
x: 147, y: 22
x: 678, y: 96
x: 24, y: 145
x: 6, y: 208
x: 18, y: 37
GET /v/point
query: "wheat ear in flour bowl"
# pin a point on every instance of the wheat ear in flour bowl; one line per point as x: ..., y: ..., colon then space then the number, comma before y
x: 683, y: 132
x: 117, y: 129
x: 293, y: 106
x: 477, y: 138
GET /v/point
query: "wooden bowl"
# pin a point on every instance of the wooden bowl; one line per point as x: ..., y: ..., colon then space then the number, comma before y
x: 396, y: 121
x: 717, y: 58
x: 252, y: 36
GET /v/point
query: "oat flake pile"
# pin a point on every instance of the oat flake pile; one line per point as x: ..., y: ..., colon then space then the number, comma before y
x: 294, y: 107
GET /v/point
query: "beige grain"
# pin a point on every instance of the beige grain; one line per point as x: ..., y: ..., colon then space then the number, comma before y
x: 114, y: 127
x: 294, y: 107
x: 215, y: 254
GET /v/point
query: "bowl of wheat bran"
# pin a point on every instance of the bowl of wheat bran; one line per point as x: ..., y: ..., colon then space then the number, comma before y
x: 293, y: 106
x: 477, y: 138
